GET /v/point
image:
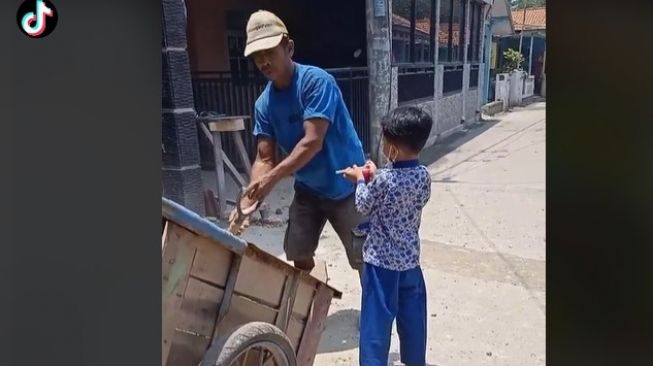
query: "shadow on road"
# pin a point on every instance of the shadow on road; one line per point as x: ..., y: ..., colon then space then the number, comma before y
x: 441, y: 148
x: 340, y: 332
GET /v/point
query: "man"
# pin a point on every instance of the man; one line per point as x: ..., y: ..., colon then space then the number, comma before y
x: 302, y: 111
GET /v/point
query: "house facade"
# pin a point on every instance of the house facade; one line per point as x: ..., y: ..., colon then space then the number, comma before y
x: 439, y: 73
x: 383, y: 54
x: 530, y: 38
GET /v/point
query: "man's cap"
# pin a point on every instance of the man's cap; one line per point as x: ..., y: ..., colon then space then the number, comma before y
x: 264, y: 31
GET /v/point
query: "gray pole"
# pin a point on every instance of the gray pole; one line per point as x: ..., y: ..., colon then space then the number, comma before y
x: 530, y: 57
x: 378, y: 64
x: 523, y: 26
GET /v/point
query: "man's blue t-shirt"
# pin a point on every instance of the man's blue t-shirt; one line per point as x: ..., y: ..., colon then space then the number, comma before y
x: 280, y: 114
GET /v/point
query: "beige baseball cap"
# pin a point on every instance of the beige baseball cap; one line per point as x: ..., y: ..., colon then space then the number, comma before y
x: 264, y: 31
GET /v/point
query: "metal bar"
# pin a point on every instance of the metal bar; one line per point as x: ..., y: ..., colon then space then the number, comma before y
x: 413, y: 13
x: 190, y: 220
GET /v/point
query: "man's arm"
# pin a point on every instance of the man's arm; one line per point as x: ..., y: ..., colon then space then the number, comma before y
x: 264, y: 162
x: 311, y: 144
x: 265, y: 178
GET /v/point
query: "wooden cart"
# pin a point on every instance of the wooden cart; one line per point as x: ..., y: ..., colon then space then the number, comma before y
x: 227, y: 302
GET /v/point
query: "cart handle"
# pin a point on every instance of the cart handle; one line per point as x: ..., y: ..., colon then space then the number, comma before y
x: 201, y: 226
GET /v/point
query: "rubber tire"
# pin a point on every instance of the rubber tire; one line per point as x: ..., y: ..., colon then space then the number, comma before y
x: 225, y: 349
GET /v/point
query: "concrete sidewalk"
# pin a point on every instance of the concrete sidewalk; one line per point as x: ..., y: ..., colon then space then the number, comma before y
x: 483, y: 250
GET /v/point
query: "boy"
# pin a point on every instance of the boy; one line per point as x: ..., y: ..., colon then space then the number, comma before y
x: 393, y: 284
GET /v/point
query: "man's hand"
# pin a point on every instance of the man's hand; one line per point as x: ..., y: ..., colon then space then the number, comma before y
x: 260, y: 188
x: 235, y: 227
x: 354, y: 173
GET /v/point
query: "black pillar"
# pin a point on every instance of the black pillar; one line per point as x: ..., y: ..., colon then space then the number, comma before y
x: 181, y: 172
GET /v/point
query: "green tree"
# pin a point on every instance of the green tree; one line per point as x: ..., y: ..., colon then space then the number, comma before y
x: 513, y: 60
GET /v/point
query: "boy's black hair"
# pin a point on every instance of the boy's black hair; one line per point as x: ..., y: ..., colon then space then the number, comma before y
x: 408, y: 126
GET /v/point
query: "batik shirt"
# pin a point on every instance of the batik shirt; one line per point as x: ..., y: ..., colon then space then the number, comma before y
x: 393, y: 201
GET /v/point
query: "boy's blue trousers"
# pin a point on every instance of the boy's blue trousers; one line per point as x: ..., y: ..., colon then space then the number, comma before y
x: 388, y: 295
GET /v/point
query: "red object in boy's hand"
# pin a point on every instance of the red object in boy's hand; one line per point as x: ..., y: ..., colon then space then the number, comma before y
x: 367, y: 174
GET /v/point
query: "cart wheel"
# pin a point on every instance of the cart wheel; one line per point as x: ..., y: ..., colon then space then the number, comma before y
x: 253, y: 344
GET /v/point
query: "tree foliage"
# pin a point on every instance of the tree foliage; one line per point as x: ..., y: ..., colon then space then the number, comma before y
x: 513, y: 60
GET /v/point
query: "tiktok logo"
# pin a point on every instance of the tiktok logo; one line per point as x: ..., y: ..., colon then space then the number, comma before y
x: 37, y: 18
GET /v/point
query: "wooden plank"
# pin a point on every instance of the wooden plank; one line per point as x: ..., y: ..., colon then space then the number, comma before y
x: 304, y: 298
x: 220, y: 181
x: 227, y: 125
x: 287, y: 301
x: 187, y: 349
x: 265, y: 257
x: 244, y: 157
x: 314, y: 326
x: 190, y: 220
x: 242, y: 311
x: 199, y: 308
x: 295, y: 330
x: 260, y: 280
x: 164, y: 235
x: 176, y: 262
x: 235, y: 174
x: 225, y: 305
x: 210, y: 205
x: 212, y: 262
x: 320, y: 271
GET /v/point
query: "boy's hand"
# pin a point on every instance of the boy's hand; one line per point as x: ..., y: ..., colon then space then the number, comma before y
x: 371, y: 168
x: 354, y: 173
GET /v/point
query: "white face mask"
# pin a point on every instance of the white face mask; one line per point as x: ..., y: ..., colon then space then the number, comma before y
x: 392, y: 154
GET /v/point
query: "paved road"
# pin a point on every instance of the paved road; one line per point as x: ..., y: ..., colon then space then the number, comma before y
x: 483, y: 250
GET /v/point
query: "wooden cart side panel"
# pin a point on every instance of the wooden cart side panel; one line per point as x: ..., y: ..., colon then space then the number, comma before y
x: 304, y: 298
x: 287, y: 301
x: 242, y: 311
x: 260, y: 280
x: 164, y: 234
x: 212, y: 262
x: 295, y: 331
x: 314, y: 326
x: 176, y: 262
x: 199, y: 308
x: 187, y: 349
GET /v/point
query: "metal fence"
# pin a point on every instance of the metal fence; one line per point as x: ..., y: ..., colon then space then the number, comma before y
x: 354, y: 85
x: 226, y: 93
x: 473, y: 76
x: 415, y: 82
x: 452, y: 80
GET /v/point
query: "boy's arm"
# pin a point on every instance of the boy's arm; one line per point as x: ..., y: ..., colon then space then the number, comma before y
x: 367, y: 195
x: 427, y: 189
